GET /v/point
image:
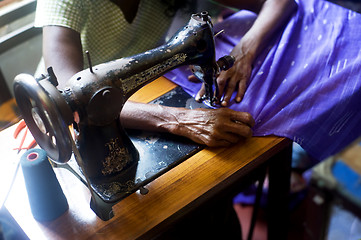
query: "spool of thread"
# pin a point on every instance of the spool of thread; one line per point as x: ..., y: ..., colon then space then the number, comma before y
x: 46, y: 198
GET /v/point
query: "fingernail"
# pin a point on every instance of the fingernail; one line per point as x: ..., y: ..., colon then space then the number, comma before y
x: 238, y: 99
x: 224, y: 104
x: 197, y: 97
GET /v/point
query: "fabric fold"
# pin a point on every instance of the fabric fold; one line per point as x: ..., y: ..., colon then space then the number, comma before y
x: 306, y: 84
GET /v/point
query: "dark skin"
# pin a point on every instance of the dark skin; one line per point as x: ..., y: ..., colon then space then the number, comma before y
x: 129, y: 8
x: 272, y: 14
x: 63, y: 51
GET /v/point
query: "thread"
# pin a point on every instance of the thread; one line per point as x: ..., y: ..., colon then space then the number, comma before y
x: 46, y: 198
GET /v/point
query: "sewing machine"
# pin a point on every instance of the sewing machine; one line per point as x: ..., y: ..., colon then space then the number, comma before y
x: 93, y: 99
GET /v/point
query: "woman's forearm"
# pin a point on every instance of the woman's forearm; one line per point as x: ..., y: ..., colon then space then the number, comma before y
x: 62, y: 51
x: 212, y: 127
x: 272, y: 15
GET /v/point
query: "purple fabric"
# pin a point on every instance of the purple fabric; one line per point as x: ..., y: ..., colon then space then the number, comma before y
x: 306, y: 84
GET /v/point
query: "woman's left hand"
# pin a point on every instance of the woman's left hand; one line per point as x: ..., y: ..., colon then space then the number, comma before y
x: 234, y: 79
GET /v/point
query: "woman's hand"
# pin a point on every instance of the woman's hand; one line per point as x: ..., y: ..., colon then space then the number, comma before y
x: 272, y: 17
x: 213, y: 127
x: 234, y: 79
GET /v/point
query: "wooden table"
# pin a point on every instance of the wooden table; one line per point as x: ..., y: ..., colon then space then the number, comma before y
x: 195, y: 181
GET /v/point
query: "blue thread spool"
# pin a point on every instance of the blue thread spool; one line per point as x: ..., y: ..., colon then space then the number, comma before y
x: 46, y: 198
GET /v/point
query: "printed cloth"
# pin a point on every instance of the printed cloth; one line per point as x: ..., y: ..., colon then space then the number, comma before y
x: 306, y: 85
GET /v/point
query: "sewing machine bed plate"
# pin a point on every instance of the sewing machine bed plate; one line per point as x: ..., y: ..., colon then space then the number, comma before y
x: 158, y: 152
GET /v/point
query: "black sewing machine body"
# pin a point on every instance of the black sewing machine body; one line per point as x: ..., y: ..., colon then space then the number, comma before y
x: 93, y: 99
x: 107, y: 87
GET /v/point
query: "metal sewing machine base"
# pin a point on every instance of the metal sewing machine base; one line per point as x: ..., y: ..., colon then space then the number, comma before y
x: 159, y: 152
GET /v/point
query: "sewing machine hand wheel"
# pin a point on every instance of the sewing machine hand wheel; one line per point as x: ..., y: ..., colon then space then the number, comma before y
x: 46, y: 114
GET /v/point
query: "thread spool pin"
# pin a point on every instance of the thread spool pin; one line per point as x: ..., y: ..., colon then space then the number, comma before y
x: 89, y: 61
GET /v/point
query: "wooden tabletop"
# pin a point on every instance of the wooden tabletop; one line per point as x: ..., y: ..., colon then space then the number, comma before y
x: 177, y: 191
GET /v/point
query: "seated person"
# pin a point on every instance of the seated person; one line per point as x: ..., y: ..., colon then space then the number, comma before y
x: 115, y: 29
